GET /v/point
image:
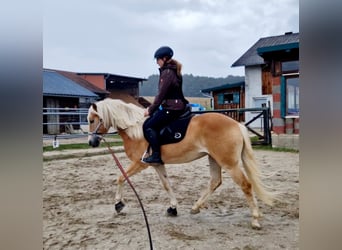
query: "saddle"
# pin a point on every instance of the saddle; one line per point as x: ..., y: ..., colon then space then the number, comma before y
x: 176, y: 130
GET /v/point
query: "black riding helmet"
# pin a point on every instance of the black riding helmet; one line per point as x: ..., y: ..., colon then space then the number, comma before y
x: 163, y: 51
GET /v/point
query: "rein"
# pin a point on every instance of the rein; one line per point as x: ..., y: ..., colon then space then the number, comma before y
x: 131, y: 185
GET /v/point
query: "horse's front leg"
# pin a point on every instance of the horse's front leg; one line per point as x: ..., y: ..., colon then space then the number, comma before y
x: 134, y: 168
x: 172, y: 210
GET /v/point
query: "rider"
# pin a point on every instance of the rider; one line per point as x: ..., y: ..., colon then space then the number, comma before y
x: 169, y: 104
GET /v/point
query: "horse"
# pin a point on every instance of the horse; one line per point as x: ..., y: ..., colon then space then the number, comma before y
x: 225, y: 141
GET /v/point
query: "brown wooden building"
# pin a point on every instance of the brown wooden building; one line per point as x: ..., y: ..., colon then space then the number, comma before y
x: 121, y: 87
x: 228, y: 96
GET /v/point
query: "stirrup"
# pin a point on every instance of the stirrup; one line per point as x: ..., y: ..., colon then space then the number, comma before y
x: 151, y: 160
x: 145, y: 155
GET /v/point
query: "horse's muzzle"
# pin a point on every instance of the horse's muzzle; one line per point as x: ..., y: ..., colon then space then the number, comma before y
x: 94, y: 140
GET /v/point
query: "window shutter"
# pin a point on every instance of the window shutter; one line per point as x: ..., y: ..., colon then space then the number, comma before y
x: 236, y: 98
x: 220, y: 99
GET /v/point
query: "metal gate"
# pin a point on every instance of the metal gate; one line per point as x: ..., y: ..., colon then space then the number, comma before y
x: 263, y: 114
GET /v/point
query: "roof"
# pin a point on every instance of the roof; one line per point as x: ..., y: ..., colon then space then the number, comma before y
x: 83, y: 82
x: 55, y: 84
x: 224, y: 86
x: 251, y: 57
x: 108, y: 75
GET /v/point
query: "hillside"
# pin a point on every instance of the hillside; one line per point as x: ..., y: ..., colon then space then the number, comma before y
x: 192, y: 85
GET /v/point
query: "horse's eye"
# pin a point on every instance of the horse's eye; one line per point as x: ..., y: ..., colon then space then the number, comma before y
x: 92, y: 121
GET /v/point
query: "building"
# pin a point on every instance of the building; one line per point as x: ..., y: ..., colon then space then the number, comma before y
x: 228, y: 96
x: 272, y: 75
x: 102, y: 93
x: 121, y: 87
x: 65, y: 91
x: 61, y: 94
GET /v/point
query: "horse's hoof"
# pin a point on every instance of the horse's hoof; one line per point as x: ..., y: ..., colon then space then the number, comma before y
x: 256, y: 225
x: 171, y: 211
x: 194, y: 211
x: 119, y: 206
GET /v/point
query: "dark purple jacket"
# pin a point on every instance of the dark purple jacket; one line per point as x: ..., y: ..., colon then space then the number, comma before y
x: 170, y: 93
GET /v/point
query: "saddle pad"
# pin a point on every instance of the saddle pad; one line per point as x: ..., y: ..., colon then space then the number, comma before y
x: 175, y: 131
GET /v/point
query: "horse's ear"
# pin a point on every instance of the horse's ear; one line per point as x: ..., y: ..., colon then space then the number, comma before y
x: 94, y: 106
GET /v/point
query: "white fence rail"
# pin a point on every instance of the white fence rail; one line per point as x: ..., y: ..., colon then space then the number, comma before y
x: 64, y: 121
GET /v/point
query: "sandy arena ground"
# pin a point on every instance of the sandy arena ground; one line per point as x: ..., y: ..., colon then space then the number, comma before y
x: 78, y: 203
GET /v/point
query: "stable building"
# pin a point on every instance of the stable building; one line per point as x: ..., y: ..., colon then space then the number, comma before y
x: 121, y: 87
x: 63, y: 95
x: 228, y: 96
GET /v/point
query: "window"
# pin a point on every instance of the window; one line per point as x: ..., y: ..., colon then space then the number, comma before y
x: 229, y: 98
x: 290, y: 66
x: 290, y: 96
x: 292, y: 92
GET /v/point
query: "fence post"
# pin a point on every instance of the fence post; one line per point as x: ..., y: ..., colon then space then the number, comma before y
x: 267, y: 130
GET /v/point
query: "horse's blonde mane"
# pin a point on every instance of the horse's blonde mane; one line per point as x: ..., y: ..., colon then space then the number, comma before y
x: 120, y: 115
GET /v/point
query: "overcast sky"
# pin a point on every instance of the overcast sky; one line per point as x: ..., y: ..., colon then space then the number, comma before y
x: 121, y: 36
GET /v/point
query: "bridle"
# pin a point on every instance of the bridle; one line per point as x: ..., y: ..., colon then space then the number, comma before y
x: 95, y: 137
x: 97, y: 127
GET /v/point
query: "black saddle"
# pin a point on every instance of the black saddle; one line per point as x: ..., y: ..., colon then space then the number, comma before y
x: 176, y: 130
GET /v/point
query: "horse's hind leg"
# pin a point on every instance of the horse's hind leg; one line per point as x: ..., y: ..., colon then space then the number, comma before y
x: 240, y: 179
x: 214, y: 183
x: 172, y: 211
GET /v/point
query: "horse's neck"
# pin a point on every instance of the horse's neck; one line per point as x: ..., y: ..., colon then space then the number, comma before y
x: 126, y: 139
x: 123, y: 135
x: 133, y: 147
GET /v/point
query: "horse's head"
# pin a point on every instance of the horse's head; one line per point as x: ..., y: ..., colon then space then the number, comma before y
x: 96, y: 126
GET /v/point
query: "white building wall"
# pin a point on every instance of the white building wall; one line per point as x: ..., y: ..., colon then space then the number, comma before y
x: 253, y: 93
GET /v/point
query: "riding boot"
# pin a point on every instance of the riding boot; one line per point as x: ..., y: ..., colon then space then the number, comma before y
x: 152, y: 138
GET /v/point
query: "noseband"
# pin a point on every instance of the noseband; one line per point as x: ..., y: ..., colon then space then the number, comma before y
x: 95, y: 138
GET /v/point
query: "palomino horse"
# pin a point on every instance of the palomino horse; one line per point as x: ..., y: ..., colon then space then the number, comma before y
x: 224, y: 140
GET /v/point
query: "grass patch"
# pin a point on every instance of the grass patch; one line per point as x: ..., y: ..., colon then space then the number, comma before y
x: 79, y: 146
x: 255, y: 139
x: 270, y: 148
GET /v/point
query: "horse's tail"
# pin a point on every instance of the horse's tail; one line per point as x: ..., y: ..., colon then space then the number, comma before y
x: 252, y: 170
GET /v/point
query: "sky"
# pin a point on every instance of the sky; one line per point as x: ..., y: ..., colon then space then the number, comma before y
x: 121, y: 36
